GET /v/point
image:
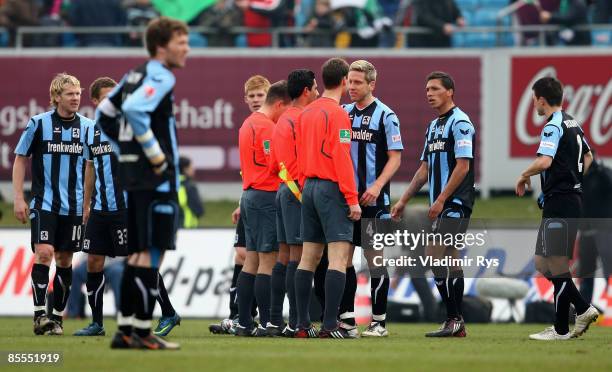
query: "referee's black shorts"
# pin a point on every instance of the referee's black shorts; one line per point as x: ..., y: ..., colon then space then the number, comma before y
x: 559, y: 225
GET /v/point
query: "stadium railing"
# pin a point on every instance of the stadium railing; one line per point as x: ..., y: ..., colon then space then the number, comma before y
x: 278, y: 32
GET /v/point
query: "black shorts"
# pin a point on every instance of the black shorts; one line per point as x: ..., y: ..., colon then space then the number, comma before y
x: 152, y: 220
x: 106, y: 234
x: 559, y: 225
x: 367, y: 215
x: 64, y: 233
x: 454, y: 219
x: 240, y: 237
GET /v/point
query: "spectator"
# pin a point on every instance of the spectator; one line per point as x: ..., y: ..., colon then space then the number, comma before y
x: 16, y: 13
x: 323, y: 24
x: 264, y: 14
x: 96, y: 13
x: 442, y: 17
x: 569, y: 14
x: 191, y: 207
x: 223, y: 16
x: 138, y: 13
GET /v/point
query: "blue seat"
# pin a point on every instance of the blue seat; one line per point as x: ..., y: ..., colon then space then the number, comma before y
x: 497, y: 4
x: 196, y: 40
x: 485, y: 17
x: 4, y: 39
x: 479, y: 40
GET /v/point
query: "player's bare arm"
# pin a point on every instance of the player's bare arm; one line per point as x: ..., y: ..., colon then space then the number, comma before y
x: 90, y: 178
x: 392, y: 165
x: 416, y: 184
x: 461, y: 170
x: 540, y: 164
x: 20, y: 207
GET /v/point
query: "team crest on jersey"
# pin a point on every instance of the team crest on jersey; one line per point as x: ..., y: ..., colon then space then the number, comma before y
x: 345, y: 136
x: 366, y: 120
x: 266, y: 146
x: 86, y: 244
x: 76, y: 133
x: 44, y: 235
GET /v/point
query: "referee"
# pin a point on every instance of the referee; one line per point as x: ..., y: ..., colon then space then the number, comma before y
x: 562, y: 158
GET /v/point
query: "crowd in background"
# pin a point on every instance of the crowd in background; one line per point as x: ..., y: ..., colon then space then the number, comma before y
x: 325, y: 23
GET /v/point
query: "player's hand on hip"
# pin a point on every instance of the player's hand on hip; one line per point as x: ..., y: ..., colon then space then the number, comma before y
x: 398, y: 210
x: 435, y: 209
x: 522, y: 184
x: 370, y: 195
x: 354, y: 212
x: 21, y: 210
x: 236, y: 215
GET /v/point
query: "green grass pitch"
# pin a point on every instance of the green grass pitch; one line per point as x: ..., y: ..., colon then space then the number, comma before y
x: 489, y: 347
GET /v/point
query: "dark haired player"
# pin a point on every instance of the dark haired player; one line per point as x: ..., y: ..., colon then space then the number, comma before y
x: 447, y: 164
x: 302, y: 88
x: 149, y: 172
x: 562, y: 158
x: 104, y: 211
x: 329, y: 200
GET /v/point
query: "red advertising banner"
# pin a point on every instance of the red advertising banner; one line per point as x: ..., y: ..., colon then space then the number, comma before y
x: 209, y: 99
x: 587, y: 97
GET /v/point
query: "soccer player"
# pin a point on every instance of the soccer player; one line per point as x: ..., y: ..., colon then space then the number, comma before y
x: 376, y: 152
x: 302, y: 88
x: 447, y: 164
x: 255, y: 91
x: 258, y: 210
x: 562, y: 158
x: 55, y: 141
x: 329, y: 200
x: 149, y: 172
x: 104, y: 210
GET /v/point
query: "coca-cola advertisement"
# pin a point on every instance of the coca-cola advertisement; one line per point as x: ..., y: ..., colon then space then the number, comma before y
x: 587, y: 84
x: 209, y: 99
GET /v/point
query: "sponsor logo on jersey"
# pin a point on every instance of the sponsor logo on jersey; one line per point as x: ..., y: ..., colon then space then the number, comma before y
x: 547, y: 145
x: 101, y: 149
x: 396, y: 138
x: 65, y: 148
x: 362, y: 135
x: 436, y: 146
x: 464, y: 143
